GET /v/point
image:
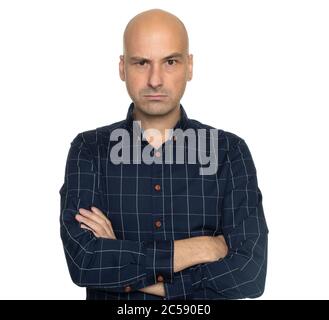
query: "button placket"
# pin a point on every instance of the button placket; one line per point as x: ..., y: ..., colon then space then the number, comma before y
x: 157, y: 201
x: 159, y: 184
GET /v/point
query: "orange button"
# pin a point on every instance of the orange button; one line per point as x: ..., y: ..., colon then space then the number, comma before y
x: 160, y: 278
x: 158, y: 223
x: 158, y: 154
x: 157, y: 187
x: 127, y: 289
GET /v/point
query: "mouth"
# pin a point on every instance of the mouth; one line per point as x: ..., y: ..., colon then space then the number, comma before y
x: 155, y: 96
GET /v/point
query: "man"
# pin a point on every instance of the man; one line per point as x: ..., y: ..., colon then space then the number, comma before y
x: 139, y: 229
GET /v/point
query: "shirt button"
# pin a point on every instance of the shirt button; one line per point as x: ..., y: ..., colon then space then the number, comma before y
x: 160, y: 278
x: 157, y: 187
x: 127, y: 289
x: 158, y: 154
x: 158, y: 223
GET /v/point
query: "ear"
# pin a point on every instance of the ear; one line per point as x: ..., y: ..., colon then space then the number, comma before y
x: 122, y: 68
x: 190, y: 67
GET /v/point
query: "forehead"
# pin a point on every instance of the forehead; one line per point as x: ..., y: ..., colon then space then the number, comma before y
x: 155, y: 42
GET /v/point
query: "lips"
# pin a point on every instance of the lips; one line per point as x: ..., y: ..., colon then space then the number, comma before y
x: 155, y: 96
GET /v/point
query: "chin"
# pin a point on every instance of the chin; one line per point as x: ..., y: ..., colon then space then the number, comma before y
x: 156, y: 108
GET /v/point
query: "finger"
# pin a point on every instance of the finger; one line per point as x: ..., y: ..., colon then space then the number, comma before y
x: 109, y: 223
x: 100, y: 226
x: 109, y: 230
x: 83, y: 226
x: 90, y: 223
x: 92, y: 216
x: 111, y: 234
x: 93, y: 232
x: 98, y: 212
x: 103, y: 216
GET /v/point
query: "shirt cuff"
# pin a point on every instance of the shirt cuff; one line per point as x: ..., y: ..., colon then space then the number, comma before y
x: 159, y: 260
x: 181, y: 287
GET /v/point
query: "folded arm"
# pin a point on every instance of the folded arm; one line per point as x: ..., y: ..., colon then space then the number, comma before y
x: 99, y: 262
x: 97, y: 258
x: 187, y: 252
x: 242, y: 272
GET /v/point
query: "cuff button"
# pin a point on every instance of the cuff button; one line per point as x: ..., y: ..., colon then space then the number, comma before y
x: 160, y: 278
x: 127, y: 289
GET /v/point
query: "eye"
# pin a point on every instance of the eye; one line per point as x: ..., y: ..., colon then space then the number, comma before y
x: 171, y: 62
x: 141, y: 63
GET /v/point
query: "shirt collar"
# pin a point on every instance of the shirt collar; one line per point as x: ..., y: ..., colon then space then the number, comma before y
x: 182, y: 123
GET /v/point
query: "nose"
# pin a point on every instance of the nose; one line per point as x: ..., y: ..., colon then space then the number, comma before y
x: 155, y: 77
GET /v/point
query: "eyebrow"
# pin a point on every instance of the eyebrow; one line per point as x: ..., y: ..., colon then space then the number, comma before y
x: 171, y: 56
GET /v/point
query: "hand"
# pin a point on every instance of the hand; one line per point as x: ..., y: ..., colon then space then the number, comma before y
x: 96, y: 222
x: 156, y: 289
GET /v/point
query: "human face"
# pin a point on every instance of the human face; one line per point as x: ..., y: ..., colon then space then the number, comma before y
x: 156, y: 68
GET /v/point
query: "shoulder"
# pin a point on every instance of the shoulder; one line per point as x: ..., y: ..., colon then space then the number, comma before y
x: 93, y: 138
x: 226, y: 139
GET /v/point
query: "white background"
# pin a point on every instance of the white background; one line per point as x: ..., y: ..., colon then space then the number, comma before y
x: 261, y: 71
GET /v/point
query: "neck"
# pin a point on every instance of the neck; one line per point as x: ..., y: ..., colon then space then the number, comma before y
x: 157, y: 122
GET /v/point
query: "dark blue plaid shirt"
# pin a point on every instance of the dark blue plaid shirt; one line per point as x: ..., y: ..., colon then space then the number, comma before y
x: 150, y: 206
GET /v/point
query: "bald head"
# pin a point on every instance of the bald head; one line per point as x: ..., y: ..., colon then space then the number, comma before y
x: 156, y: 63
x: 155, y: 25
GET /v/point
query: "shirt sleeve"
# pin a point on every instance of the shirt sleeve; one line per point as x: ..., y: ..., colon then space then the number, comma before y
x: 113, y: 264
x: 181, y: 286
x: 242, y: 273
